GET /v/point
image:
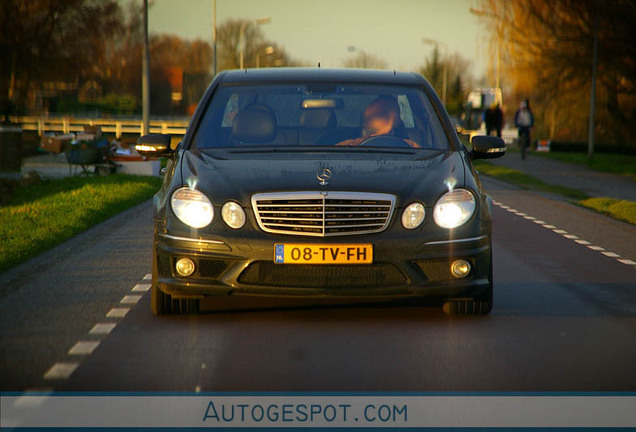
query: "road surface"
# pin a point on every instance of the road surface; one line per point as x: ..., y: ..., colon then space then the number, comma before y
x: 564, y: 320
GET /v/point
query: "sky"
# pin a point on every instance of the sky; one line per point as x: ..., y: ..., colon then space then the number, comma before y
x: 321, y: 30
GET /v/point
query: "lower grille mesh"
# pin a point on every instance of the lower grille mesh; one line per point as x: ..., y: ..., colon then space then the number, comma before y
x: 436, y: 271
x: 211, y: 268
x: 267, y: 273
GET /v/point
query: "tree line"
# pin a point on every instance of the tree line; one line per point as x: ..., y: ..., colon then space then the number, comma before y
x: 546, y: 49
x: 84, y: 56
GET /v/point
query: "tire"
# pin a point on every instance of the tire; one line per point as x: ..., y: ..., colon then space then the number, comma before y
x: 163, y: 304
x: 481, y: 305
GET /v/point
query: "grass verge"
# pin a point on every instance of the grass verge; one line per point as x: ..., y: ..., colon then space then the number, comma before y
x: 526, y: 181
x: 44, y: 215
x: 618, y: 209
x: 604, y: 162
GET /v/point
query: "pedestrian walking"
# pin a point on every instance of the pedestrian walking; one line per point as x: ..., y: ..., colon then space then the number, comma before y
x: 524, y: 120
x: 494, y: 119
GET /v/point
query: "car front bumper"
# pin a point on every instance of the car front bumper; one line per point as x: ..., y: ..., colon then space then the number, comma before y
x: 402, y: 267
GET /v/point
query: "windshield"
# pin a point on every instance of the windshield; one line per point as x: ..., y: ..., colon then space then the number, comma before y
x: 323, y: 115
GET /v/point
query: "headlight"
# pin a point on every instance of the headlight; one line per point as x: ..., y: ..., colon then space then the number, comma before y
x: 413, y: 215
x: 233, y: 214
x: 454, y: 208
x: 192, y: 207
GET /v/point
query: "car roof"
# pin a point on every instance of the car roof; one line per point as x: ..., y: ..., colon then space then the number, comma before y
x: 293, y: 74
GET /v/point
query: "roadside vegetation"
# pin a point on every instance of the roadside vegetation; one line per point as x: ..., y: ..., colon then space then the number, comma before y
x: 604, y: 162
x: 618, y: 209
x: 526, y: 181
x: 40, y: 216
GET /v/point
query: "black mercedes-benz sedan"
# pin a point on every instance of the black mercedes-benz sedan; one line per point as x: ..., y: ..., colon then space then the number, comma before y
x: 321, y: 183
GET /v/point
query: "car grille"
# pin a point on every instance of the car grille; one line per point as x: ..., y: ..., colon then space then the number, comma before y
x: 267, y: 273
x: 323, y: 214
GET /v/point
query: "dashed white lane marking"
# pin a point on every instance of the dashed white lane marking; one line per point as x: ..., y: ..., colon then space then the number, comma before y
x: 567, y: 235
x: 117, y: 312
x: 83, y: 347
x: 102, y: 328
x: 61, y: 370
x: 141, y: 287
x: 611, y: 254
x: 64, y: 369
x: 130, y: 299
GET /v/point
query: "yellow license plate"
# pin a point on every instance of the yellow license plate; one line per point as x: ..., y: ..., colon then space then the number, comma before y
x: 286, y: 253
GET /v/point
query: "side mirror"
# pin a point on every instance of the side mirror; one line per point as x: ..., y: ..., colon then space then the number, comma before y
x: 487, y: 147
x: 154, y: 145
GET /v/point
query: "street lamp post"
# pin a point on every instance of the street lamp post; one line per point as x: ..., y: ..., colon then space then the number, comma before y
x: 265, y: 52
x: 445, y: 73
x: 259, y: 21
x: 145, y: 76
x: 214, y: 36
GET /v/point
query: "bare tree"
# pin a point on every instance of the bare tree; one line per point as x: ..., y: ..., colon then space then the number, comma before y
x: 229, y: 44
x: 546, y: 49
x: 43, y: 40
x: 364, y: 60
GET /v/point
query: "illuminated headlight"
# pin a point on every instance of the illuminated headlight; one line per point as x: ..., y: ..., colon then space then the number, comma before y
x: 454, y: 208
x: 233, y: 214
x: 413, y: 215
x: 192, y: 207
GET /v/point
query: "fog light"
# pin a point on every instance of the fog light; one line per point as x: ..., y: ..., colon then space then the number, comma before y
x: 185, y: 267
x: 460, y: 269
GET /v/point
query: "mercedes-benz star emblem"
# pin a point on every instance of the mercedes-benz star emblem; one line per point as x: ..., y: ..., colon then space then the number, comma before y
x: 323, y: 175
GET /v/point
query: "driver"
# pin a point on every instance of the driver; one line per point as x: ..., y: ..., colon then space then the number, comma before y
x: 380, y: 117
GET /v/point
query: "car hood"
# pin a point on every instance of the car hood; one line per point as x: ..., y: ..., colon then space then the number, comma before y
x: 410, y: 179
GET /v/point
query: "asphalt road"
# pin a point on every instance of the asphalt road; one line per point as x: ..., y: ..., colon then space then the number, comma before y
x: 564, y: 320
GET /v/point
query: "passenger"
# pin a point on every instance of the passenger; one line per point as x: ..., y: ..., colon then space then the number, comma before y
x: 381, y: 117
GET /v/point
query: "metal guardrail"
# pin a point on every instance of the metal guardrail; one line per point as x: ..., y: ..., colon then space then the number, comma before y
x: 175, y: 127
